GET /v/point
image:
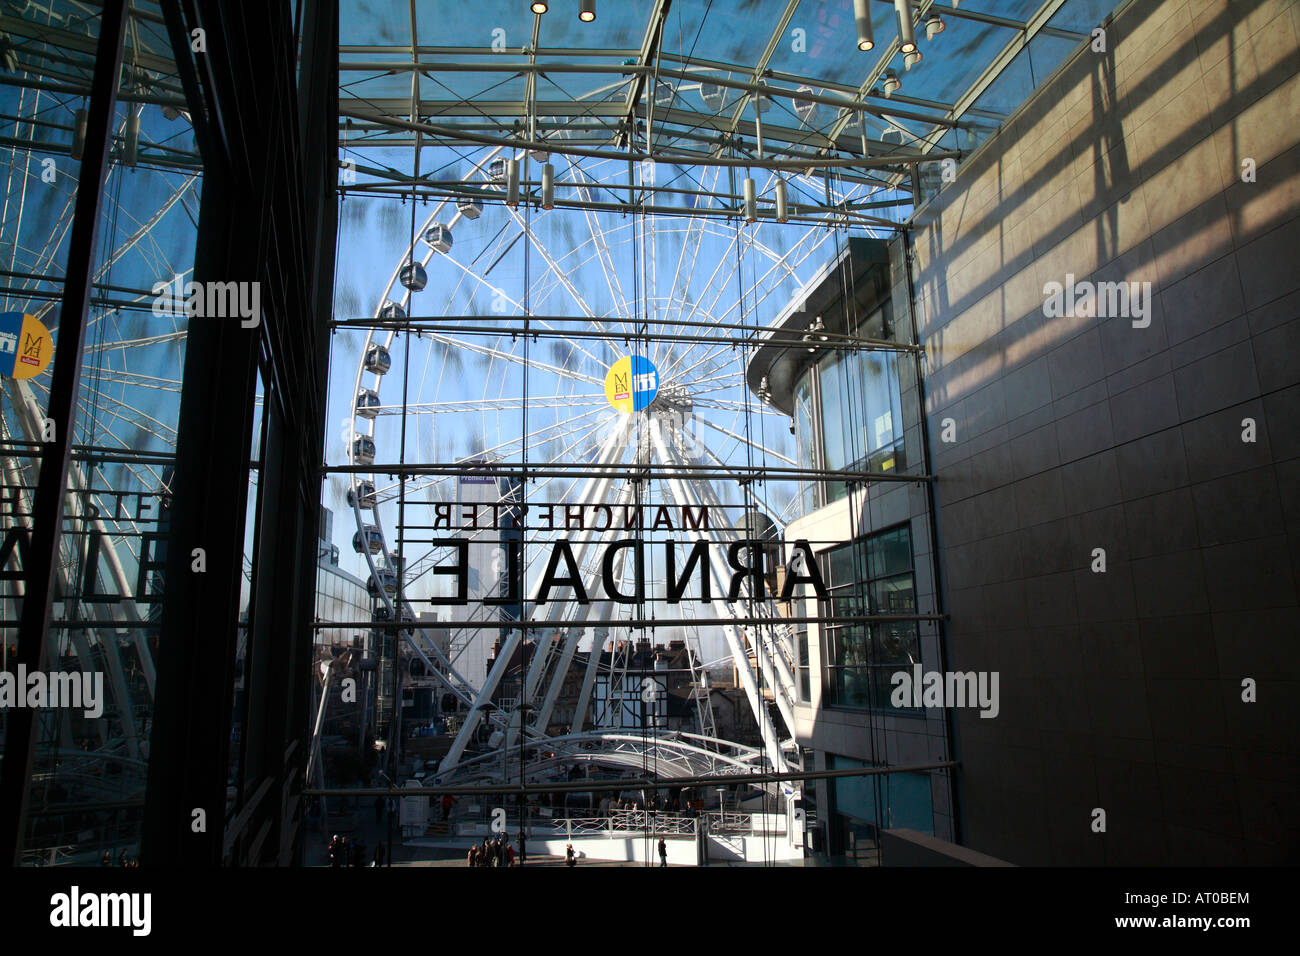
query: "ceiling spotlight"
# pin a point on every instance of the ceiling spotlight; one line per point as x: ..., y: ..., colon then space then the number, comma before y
x: 910, y: 58
x: 512, y: 182
x: 863, y: 18
x: 131, y: 139
x: 751, y: 200
x: 891, y: 84
x: 934, y: 25
x: 906, y: 35
x: 548, y: 186
x: 538, y: 6
x: 587, y: 11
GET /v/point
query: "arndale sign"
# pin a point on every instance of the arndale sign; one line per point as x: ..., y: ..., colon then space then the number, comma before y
x: 725, y: 563
x: 744, y: 561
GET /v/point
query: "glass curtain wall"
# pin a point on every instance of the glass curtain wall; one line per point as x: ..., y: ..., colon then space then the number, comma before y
x: 89, y: 771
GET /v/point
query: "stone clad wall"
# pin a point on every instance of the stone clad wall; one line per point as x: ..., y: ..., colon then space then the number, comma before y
x: 1122, y: 690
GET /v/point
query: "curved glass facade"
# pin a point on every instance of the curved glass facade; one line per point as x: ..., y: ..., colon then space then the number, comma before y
x: 848, y: 414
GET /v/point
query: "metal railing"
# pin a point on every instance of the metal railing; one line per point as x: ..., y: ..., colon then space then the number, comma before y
x: 624, y: 821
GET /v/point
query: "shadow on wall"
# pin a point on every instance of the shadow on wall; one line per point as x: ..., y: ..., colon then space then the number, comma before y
x: 1036, y: 234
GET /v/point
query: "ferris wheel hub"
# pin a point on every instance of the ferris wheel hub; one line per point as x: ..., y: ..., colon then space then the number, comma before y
x: 675, y: 399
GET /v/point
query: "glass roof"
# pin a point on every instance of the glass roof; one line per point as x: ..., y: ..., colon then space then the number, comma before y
x: 682, y: 79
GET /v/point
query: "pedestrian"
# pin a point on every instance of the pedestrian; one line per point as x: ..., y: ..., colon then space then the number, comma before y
x: 471, y: 858
x: 106, y: 859
x: 510, y: 855
x: 663, y: 852
x: 570, y: 858
x: 523, y: 849
x: 379, y: 855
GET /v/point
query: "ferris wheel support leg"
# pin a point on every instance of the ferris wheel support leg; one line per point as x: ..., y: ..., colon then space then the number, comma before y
x: 138, y: 636
x: 575, y: 628
x: 598, y: 638
x: 771, y: 744
x: 595, y: 491
x: 573, y: 634
x: 542, y: 656
x: 703, y: 491
x: 513, y: 639
x: 780, y: 681
x: 121, y: 694
x: 777, y: 669
x: 30, y: 421
x: 613, y: 445
x: 81, y: 647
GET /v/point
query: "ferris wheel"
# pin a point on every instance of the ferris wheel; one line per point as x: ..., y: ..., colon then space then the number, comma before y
x: 580, y: 343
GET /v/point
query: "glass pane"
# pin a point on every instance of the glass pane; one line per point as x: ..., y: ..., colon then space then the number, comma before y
x: 805, y: 439
x: 891, y: 552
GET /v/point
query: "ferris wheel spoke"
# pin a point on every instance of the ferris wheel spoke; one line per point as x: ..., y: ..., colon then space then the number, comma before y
x: 492, y: 404
x: 567, y: 283
x: 514, y: 358
x: 734, y: 405
x: 751, y: 489
x: 512, y: 446
x: 147, y: 226
x: 697, y: 229
x: 576, y: 437
x: 162, y: 338
x: 599, y: 241
x: 677, y: 371
x: 168, y: 436
x: 775, y: 289
x: 750, y: 442
x: 498, y: 294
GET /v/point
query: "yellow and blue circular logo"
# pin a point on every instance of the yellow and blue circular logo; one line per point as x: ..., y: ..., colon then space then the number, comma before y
x: 631, y: 383
x: 26, y: 346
